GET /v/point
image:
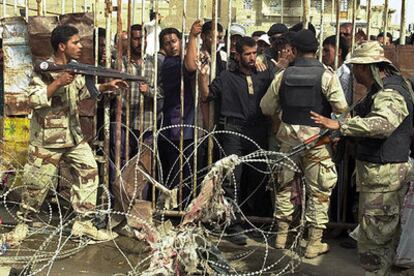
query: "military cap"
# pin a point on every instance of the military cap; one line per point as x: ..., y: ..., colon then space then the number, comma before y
x: 277, y: 28
x: 305, y: 41
x: 368, y: 52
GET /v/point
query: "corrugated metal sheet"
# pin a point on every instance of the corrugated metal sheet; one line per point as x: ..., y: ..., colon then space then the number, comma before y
x: 40, y: 29
x: 17, y: 65
x: 16, y: 104
x: 401, y: 56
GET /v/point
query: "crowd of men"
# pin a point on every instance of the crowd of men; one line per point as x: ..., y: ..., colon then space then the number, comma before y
x: 270, y: 92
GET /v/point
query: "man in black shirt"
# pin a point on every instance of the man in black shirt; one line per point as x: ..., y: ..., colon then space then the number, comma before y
x: 239, y: 91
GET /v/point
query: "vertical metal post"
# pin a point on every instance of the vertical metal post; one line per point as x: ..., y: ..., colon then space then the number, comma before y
x: 4, y: 8
x: 73, y: 6
x: 134, y: 8
x: 212, y: 76
x: 141, y: 97
x: 128, y: 90
x: 15, y: 7
x: 184, y: 13
x: 44, y: 8
x: 333, y: 11
x: 96, y: 54
x: 321, y: 30
x: 368, y: 19
x: 282, y: 10
x: 84, y: 6
x: 338, y: 8
x: 63, y: 6
x: 26, y: 7
x: 39, y: 7
x: 119, y: 61
x: 385, y: 21
x: 196, y: 102
x: 108, y: 64
x: 354, y: 4
x: 228, y: 43
x: 155, y: 102
x: 402, y: 25
x: 306, y: 19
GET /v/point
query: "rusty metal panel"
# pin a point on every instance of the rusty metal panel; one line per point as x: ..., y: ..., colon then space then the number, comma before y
x: 87, y: 108
x: 84, y: 23
x: 88, y: 128
x: 40, y: 28
x: 405, y: 55
x: 401, y: 56
x: 16, y: 104
x: 17, y: 65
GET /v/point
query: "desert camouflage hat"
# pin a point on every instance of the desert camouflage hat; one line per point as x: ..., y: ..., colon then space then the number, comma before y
x: 368, y: 52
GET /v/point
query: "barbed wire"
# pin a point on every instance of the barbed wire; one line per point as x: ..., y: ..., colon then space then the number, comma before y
x: 51, y: 240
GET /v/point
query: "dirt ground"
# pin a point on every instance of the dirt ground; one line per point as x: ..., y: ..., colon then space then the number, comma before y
x: 119, y: 256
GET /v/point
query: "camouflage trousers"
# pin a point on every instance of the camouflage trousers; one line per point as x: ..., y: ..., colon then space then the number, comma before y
x: 320, y: 176
x: 41, y: 174
x: 379, y: 217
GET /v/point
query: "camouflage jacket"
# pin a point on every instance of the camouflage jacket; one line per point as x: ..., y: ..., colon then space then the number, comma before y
x: 55, y: 121
x: 292, y: 135
x: 388, y: 111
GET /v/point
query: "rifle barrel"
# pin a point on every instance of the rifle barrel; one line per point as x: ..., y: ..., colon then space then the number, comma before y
x: 85, y: 69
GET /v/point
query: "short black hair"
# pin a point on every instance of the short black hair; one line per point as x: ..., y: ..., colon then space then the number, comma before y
x: 244, y: 41
x: 209, y: 25
x: 168, y: 31
x: 258, y: 33
x: 136, y: 27
x: 389, y: 35
x: 280, y: 43
x: 62, y: 34
x: 331, y: 40
x: 299, y: 26
x: 345, y: 25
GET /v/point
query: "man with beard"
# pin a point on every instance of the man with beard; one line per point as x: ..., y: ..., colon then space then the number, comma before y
x: 239, y: 91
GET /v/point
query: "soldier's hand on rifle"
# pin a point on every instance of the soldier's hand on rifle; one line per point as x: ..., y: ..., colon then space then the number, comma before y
x: 143, y: 88
x: 324, y: 122
x: 65, y: 79
x: 113, y: 85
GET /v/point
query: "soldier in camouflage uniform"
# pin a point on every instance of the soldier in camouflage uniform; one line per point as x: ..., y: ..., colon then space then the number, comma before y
x: 55, y: 135
x: 306, y: 85
x: 382, y: 127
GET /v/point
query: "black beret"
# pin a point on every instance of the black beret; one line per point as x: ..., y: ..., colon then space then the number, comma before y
x: 299, y: 26
x: 305, y: 41
x: 277, y: 28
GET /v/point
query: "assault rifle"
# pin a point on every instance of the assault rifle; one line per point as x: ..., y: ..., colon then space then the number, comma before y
x: 89, y: 71
x: 324, y: 136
